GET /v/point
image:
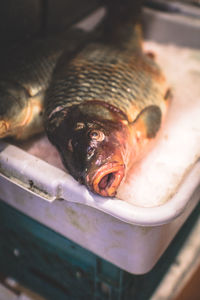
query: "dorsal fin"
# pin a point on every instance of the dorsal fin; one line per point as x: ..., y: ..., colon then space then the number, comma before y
x: 122, y: 23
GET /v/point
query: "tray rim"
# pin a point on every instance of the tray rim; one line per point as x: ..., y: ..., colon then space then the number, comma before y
x: 60, y: 185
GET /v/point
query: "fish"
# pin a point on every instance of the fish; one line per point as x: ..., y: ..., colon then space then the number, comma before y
x: 25, y: 72
x: 105, y: 106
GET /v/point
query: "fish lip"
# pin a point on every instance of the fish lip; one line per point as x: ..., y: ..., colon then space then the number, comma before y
x: 117, y: 172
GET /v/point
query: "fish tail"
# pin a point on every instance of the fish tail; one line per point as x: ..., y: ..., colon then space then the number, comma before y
x: 122, y: 23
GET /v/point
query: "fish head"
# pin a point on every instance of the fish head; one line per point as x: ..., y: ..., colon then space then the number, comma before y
x: 105, y: 157
x: 13, y: 107
x: 94, y: 151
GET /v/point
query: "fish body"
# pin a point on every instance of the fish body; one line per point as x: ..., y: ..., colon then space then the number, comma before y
x: 25, y: 72
x: 103, y: 108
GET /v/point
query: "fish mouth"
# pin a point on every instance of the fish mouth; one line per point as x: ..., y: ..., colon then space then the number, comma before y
x: 106, y: 179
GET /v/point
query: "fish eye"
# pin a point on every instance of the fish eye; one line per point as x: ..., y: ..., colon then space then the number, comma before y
x: 97, y: 135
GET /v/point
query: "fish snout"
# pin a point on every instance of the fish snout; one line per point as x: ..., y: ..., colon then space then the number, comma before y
x: 106, y: 180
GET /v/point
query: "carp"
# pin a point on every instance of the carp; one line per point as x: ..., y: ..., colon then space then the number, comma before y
x: 105, y: 105
x: 25, y: 72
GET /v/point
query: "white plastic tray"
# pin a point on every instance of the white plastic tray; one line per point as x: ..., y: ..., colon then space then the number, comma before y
x: 129, y: 236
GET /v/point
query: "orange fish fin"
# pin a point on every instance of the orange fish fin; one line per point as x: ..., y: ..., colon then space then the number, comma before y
x: 148, y: 122
x: 4, y: 128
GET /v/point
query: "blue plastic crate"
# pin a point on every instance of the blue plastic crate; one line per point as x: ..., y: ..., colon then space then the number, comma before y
x: 54, y: 266
x: 59, y: 269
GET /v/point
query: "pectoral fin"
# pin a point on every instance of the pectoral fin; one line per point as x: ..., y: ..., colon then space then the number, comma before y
x: 4, y: 127
x: 148, y: 122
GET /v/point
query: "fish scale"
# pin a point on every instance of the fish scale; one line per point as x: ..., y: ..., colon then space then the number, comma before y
x: 23, y: 62
x: 25, y: 73
x: 134, y: 82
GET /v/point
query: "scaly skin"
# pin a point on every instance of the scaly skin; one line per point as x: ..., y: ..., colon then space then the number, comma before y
x: 25, y: 73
